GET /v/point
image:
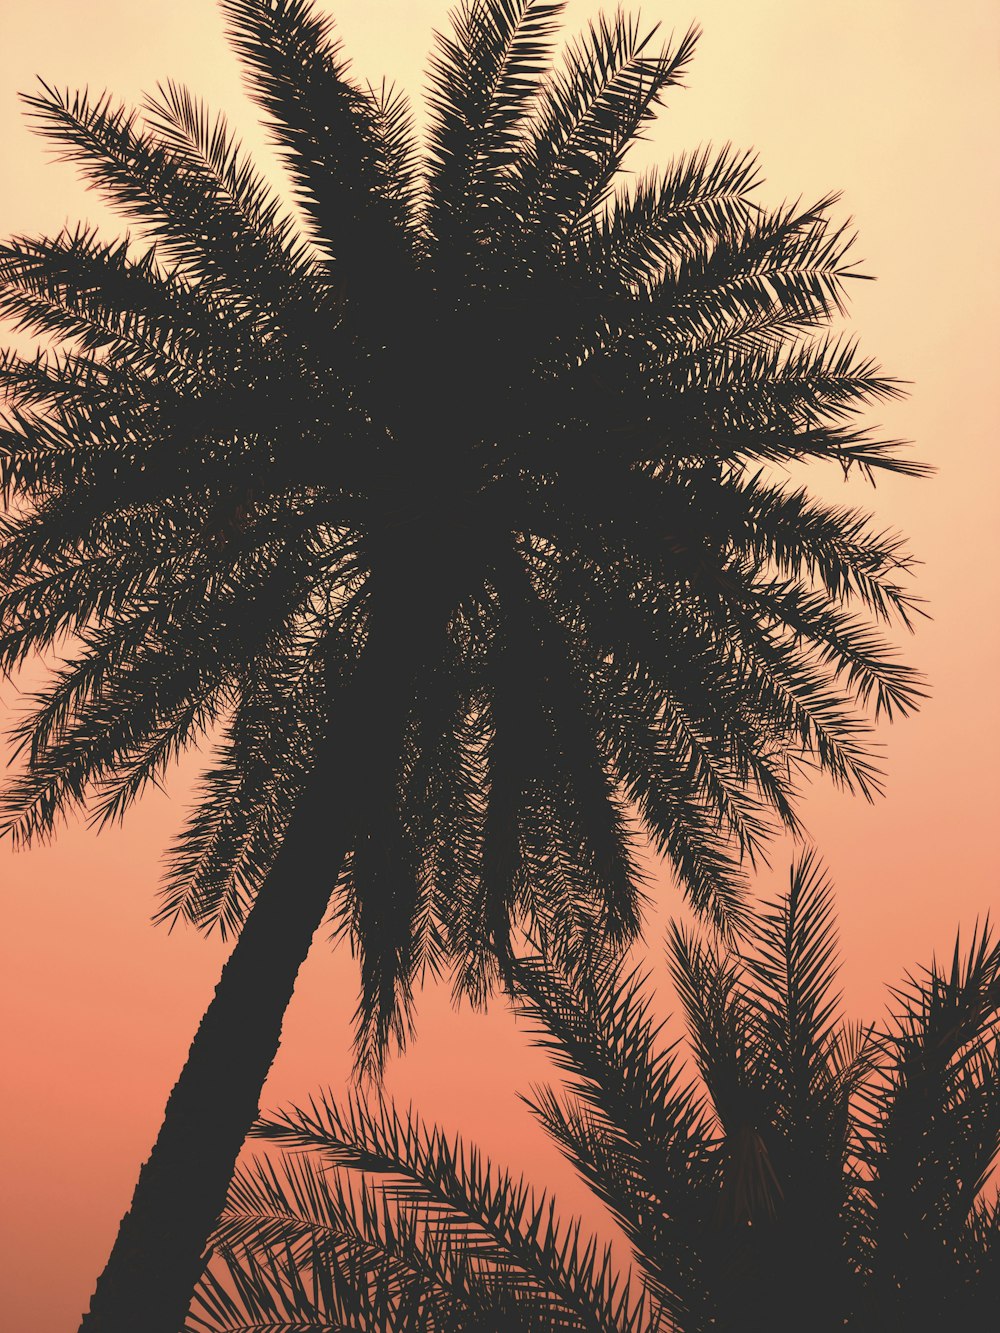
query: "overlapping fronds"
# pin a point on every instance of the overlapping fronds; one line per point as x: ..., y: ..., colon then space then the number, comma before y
x: 186, y: 183
x: 485, y: 373
x: 806, y: 1169
x: 590, y: 113
x: 931, y: 1138
x: 386, y: 1218
x: 340, y: 143
x: 484, y: 79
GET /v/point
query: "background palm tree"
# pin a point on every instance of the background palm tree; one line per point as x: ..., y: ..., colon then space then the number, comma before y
x: 447, y: 515
x: 814, y: 1174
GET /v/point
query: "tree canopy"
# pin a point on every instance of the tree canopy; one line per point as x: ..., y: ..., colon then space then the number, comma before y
x: 481, y: 377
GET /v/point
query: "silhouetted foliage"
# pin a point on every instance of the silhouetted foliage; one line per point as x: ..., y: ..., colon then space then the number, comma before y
x: 449, y: 506
x: 537, y: 400
x: 812, y: 1174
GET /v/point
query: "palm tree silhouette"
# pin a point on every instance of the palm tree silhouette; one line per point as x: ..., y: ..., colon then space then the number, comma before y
x: 448, y: 514
x: 812, y: 1174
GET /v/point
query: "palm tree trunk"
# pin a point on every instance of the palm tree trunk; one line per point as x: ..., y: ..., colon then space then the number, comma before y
x: 159, y: 1252
x: 157, y: 1256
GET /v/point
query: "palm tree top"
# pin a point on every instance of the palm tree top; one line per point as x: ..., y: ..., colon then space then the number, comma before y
x: 483, y: 414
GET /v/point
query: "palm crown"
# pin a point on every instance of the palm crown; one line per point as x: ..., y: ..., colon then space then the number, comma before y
x: 517, y: 415
x: 813, y: 1173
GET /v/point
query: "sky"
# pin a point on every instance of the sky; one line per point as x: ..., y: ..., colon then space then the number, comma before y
x: 892, y: 102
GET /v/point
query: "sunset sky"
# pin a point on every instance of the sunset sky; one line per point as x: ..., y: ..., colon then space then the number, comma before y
x: 895, y: 103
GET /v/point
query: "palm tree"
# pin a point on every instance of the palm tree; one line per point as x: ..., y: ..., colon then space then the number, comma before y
x: 447, y: 510
x: 812, y: 1174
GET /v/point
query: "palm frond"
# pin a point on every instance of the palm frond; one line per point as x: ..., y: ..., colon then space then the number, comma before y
x: 457, y: 1195
x: 588, y: 116
x: 666, y: 213
x: 198, y: 199
x: 332, y: 134
x: 483, y: 81
x: 932, y: 1122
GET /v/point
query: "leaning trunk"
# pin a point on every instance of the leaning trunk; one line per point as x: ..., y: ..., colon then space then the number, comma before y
x: 160, y: 1249
x: 157, y: 1257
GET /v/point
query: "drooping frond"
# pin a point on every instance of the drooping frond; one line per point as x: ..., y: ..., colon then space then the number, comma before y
x: 492, y: 1230
x: 235, y: 827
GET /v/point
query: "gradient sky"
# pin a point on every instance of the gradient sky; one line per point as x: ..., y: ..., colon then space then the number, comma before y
x: 893, y: 102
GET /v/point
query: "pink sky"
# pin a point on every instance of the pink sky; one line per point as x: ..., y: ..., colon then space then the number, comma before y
x: 894, y: 102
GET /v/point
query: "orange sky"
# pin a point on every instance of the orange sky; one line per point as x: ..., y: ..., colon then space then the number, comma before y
x: 896, y: 103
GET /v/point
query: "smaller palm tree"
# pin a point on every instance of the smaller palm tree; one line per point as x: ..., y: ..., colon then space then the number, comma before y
x: 811, y: 1173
